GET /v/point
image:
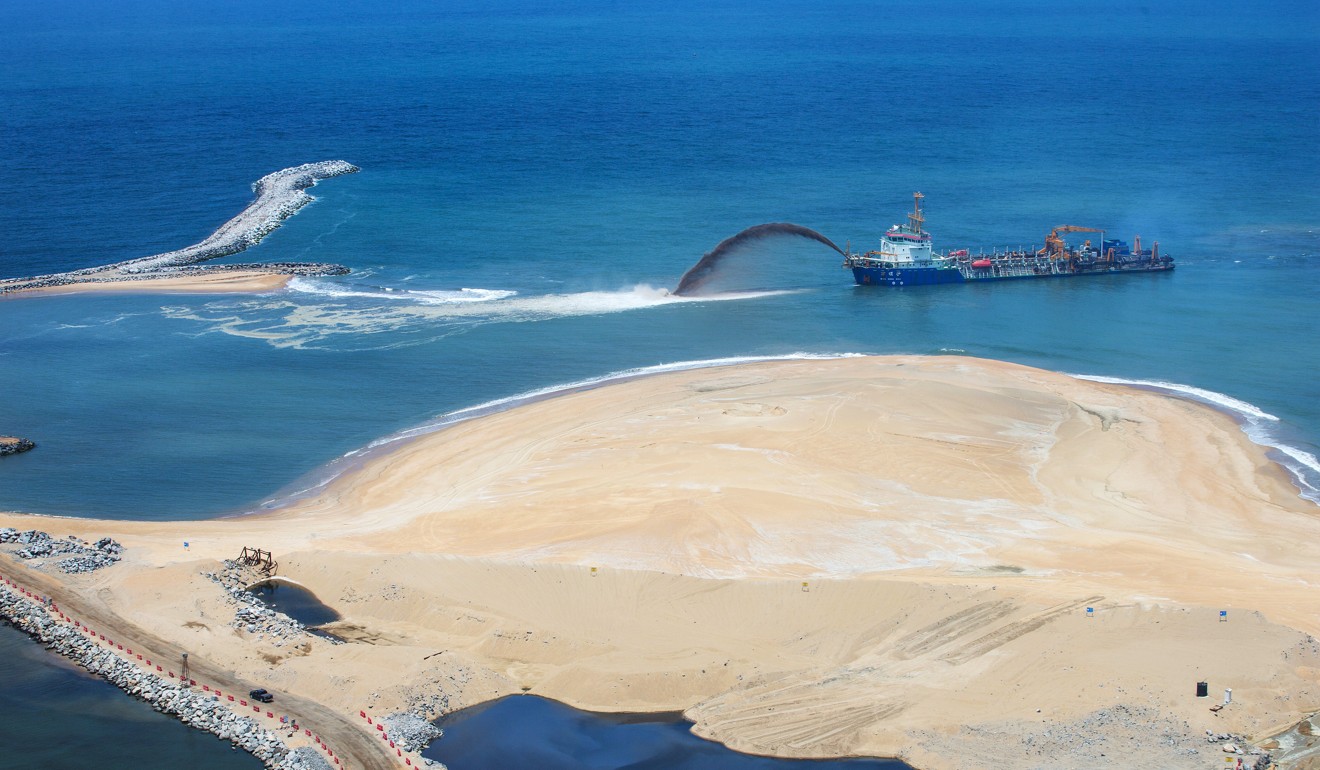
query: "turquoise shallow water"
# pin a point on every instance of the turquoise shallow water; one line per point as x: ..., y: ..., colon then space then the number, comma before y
x: 534, y: 176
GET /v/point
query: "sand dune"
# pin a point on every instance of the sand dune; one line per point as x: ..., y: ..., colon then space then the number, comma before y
x: 951, y: 519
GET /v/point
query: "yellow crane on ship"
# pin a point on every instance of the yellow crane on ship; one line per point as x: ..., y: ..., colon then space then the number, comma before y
x: 1056, y: 248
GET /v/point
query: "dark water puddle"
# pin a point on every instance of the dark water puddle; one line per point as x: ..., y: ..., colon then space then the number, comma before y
x: 295, y: 601
x: 526, y: 731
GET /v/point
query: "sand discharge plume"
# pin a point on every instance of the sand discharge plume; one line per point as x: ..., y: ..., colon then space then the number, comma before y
x: 706, y: 267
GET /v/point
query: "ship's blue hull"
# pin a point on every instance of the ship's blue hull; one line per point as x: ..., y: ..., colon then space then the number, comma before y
x: 927, y: 276
x: 906, y: 276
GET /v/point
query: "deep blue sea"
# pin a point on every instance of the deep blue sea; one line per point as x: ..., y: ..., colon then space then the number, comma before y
x: 537, y: 174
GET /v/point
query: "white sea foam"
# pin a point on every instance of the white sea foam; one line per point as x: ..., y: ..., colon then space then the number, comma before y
x: 1220, y: 400
x: 581, y: 303
x: 313, y: 311
x: 324, y: 288
x: 1256, y: 423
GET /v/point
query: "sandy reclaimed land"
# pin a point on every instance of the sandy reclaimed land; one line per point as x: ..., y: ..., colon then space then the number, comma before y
x: 237, y: 281
x: 951, y: 519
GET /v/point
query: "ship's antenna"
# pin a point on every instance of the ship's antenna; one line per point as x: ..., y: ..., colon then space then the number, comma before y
x: 915, y: 219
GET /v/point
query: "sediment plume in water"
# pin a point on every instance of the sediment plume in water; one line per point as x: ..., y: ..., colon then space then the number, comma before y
x: 704, y: 270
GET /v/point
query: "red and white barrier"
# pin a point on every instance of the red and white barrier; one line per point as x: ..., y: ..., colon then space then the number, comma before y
x: 129, y: 655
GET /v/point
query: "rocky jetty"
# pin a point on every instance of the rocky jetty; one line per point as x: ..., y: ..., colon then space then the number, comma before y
x: 83, y: 557
x: 201, y: 710
x: 12, y: 445
x: 279, y: 196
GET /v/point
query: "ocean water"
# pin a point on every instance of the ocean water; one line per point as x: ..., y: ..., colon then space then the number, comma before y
x: 56, y: 715
x: 537, y: 175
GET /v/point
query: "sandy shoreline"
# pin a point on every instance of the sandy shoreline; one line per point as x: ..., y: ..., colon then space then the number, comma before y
x: 952, y: 518
x: 240, y: 281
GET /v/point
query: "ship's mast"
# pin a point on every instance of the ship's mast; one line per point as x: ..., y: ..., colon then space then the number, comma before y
x: 915, y: 219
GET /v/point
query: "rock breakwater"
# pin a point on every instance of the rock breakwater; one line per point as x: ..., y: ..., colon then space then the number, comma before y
x: 83, y: 557
x: 12, y: 445
x: 202, y: 710
x: 279, y: 196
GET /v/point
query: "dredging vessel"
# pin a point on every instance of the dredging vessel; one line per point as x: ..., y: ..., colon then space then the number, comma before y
x: 905, y: 258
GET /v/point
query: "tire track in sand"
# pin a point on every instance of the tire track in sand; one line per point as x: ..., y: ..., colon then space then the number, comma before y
x: 1014, y: 630
x: 808, y: 717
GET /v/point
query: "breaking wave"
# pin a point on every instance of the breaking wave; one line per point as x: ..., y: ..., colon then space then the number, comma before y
x: 1259, y: 425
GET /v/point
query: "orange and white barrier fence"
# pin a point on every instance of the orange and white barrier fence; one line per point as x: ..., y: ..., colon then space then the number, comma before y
x: 385, y: 736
